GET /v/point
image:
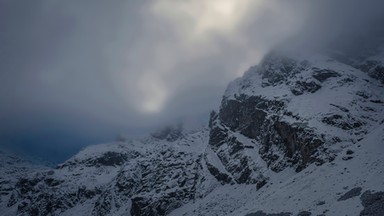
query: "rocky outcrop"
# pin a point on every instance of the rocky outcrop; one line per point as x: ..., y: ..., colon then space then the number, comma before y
x: 233, y: 154
x: 301, y: 87
x: 373, y: 203
x: 323, y: 75
x: 351, y: 193
x: 345, y: 122
x: 276, y: 68
x: 281, y: 137
x: 261, y: 119
x: 261, y: 213
x: 221, y: 177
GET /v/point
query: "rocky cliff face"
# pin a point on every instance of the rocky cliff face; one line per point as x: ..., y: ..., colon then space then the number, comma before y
x: 288, y: 113
x: 294, y: 111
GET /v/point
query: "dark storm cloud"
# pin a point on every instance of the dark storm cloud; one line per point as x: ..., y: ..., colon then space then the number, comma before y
x: 344, y: 25
x: 54, y: 80
x: 93, y: 69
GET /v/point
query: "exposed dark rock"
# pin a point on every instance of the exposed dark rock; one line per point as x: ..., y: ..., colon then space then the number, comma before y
x: 347, y: 158
x: 106, y: 159
x: 320, y: 203
x: 52, y: 182
x: 349, y: 152
x: 261, y: 184
x: 110, y: 159
x: 212, y: 118
x: 323, y: 75
x: 83, y: 192
x: 261, y: 213
x: 247, y: 114
x: 373, y: 203
x: 25, y: 185
x: 298, y: 139
x: 351, y: 193
x: 162, y: 205
x: 304, y: 213
x: 344, y: 122
x: 301, y: 87
x: 240, y: 170
x: 363, y: 94
x: 235, y: 146
x: 347, y: 80
x: 377, y: 101
x: 217, y: 134
x: 50, y: 172
x: 103, y: 205
x: 276, y: 69
x: 127, y: 185
x: 40, y: 198
x: 341, y: 108
x: 221, y: 177
x: 154, y: 176
x: 258, y: 118
x: 12, y: 200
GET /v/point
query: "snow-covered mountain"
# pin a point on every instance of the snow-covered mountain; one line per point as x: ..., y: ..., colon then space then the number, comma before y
x: 298, y: 134
x: 13, y: 168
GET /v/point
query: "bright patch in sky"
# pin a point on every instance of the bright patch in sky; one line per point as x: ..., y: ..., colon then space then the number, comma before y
x: 193, y: 27
x: 187, y: 45
x: 199, y: 18
x: 154, y: 94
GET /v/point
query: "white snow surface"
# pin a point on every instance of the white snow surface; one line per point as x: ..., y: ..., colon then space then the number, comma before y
x: 295, y: 192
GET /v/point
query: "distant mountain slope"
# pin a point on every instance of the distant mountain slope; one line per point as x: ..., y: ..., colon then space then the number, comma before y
x: 149, y: 176
x: 13, y: 168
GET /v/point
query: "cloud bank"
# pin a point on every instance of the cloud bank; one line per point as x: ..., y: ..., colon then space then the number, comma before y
x: 97, y: 68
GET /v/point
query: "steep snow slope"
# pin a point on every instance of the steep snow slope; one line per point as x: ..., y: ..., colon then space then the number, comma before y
x: 310, y: 120
x: 315, y: 189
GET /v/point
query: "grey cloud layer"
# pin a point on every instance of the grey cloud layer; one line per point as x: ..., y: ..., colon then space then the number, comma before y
x: 118, y: 65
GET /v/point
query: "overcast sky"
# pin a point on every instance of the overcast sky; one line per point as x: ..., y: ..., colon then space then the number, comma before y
x: 78, y: 72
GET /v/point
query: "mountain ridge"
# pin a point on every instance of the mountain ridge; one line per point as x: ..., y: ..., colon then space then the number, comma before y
x: 282, y: 124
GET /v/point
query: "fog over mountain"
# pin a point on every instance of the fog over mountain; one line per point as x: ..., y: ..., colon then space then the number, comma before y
x: 192, y: 107
x: 74, y: 73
